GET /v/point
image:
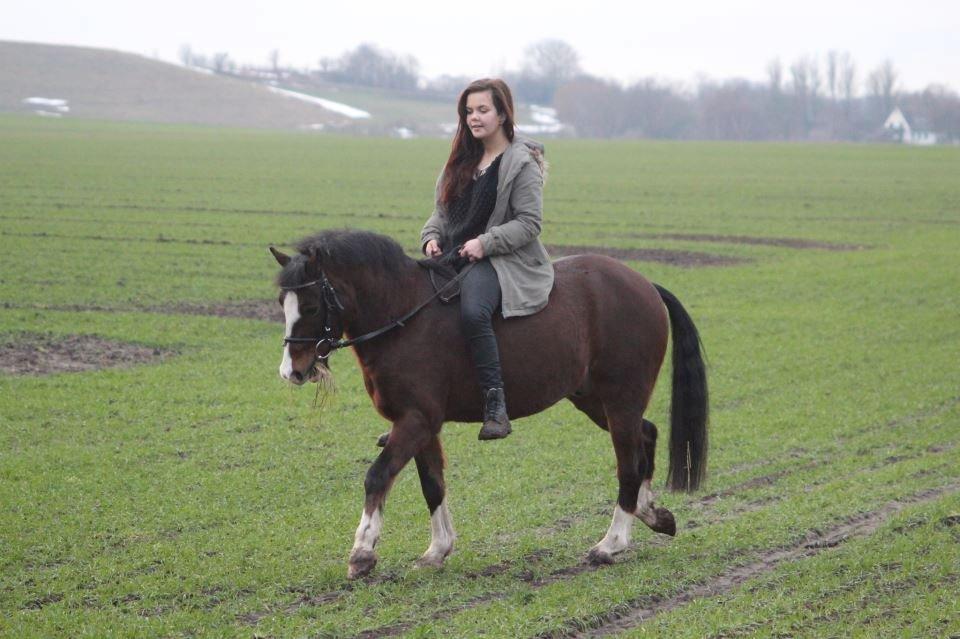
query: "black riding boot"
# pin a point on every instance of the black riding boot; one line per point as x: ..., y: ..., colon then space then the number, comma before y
x: 496, y: 425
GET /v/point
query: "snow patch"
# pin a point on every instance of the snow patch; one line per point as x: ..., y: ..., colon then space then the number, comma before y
x: 543, y: 115
x: 545, y: 121
x: 539, y: 128
x: 53, y: 102
x: 329, y: 105
x: 48, y: 107
x: 404, y: 133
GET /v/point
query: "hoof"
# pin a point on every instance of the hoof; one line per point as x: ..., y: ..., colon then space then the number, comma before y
x: 665, y: 522
x: 429, y: 561
x: 599, y: 557
x: 361, y: 563
x: 382, y: 440
x: 493, y: 430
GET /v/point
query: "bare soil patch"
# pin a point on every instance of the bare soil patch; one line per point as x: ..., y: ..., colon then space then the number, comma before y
x: 687, y: 259
x: 37, y: 354
x: 787, y: 242
x: 266, y: 310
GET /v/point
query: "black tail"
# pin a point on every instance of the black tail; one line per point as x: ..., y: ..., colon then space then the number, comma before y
x: 689, y: 407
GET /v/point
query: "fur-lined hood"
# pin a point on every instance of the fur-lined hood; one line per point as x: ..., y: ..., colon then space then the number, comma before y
x: 521, y: 151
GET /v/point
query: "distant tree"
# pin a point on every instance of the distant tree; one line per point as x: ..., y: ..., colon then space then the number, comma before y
x: 732, y: 110
x: 881, y: 88
x: 833, y: 82
x: 940, y: 108
x: 656, y: 110
x: 547, y: 65
x: 594, y: 107
x: 275, y: 62
x: 222, y: 63
x: 186, y: 55
x: 370, y: 66
x: 832, y: 70
x: 777, y: 114
x: 448, y: 85
x: 805, y: 73
x: 847, y: 86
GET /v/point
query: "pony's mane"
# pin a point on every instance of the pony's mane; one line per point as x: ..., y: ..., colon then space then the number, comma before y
x: 345, y: 248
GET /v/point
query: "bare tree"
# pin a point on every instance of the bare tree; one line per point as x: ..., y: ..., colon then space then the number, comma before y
x: 275, y: 62
x: 776, y: 103
x: 548, y: 64
x: 881, y: 85
x: 775, y: 76
x: 593, y: 106
x: 222, y: 62
x: 186, y: 55
x: 370, y: 66
x: 800, y: 73
x: 553, y: 60
x: 656, y: 110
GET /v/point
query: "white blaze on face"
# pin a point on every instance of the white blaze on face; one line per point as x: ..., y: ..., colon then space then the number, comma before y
x: 291, y: 311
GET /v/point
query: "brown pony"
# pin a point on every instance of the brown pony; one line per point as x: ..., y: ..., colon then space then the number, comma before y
x: 600, y: 343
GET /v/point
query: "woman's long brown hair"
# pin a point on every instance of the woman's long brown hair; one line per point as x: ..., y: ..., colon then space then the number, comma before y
x: 467, y: 150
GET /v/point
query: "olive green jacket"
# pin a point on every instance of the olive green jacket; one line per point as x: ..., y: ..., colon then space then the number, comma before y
x: 511, y: 238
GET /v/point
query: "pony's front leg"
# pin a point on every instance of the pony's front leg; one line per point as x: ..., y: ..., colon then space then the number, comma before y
x: 442, y: 535
x: 408, y: 436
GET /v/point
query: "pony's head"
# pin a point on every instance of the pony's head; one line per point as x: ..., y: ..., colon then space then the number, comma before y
x: 310, y: 312
x: 316, y: 313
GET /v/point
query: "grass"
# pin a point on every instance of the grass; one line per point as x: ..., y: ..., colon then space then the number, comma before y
x: 201, y: 497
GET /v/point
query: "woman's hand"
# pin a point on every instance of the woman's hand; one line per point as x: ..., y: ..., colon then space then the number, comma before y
x: 432, y: 249
x: 472, y: 250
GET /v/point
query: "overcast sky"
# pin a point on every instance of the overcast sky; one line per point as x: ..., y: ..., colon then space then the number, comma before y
x: 677, y: 41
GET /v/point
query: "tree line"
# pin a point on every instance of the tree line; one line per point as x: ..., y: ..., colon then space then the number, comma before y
x: 813, y: 98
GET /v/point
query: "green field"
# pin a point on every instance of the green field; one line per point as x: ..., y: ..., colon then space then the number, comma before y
x: 199, y: 496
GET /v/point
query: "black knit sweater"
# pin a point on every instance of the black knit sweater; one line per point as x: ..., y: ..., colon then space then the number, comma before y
x: 467, y: 216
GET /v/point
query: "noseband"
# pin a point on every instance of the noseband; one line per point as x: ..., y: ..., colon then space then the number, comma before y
x: 330, y: 340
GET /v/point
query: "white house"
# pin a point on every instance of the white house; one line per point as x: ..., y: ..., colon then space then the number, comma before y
x: 898, y: 127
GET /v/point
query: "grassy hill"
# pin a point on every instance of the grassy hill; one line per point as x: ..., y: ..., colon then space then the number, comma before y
x: 112, y: 85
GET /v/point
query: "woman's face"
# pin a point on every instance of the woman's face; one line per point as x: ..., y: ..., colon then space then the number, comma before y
x: 482, y: 116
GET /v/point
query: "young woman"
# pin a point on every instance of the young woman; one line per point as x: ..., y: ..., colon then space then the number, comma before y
x: 489, y: 206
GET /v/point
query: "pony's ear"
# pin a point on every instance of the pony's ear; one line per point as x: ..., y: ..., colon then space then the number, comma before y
x: 282, y: 258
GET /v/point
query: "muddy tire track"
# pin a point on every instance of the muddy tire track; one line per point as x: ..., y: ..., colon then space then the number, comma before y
x: 815, y: 542
x: 521, y: 567
x: 856, y: 527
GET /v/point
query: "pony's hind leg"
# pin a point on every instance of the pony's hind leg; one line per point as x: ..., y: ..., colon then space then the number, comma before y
x: 658, y: 519
x: 408, y: 436
x: 442, y: 535
x: 625, y: 431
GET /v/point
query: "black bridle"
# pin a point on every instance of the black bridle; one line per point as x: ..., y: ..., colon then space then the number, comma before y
x: 331, y: 339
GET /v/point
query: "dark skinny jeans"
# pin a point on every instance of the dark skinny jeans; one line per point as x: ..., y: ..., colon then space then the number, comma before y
x: 479, y: 300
